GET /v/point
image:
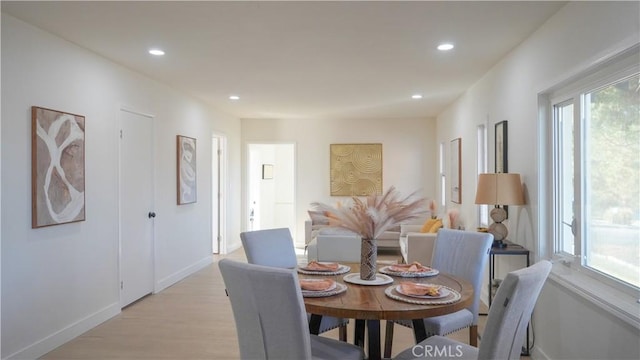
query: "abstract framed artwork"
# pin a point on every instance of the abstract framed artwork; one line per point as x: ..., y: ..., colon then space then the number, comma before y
x: 456, y: 171
x: 501, y: 147
x: 57, y: 167
x: 356, y: 169
x: 186, y: 167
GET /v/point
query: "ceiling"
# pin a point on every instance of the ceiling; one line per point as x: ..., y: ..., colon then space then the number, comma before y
x: 299, y: 60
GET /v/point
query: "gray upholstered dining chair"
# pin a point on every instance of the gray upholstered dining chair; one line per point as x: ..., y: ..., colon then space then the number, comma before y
x: 506, y: 323
x: 463, y: 254
x: 274, y: 247
x: 270, y: 317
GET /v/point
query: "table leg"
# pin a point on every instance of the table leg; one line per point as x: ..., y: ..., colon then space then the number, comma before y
x: 419, y: 332
x: 358, y: 334
x: 373, y: 327
x: 314, y: 324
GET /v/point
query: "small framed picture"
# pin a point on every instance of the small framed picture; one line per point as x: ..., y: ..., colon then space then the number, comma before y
x: 267, y: 171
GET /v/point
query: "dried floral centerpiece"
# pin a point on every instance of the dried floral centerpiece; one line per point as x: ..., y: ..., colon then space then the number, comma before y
x: 370, y: 218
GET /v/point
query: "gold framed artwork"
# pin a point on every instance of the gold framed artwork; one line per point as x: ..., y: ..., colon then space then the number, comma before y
x: 186, y: 180
x: 57, y: 167
x: 356, y: 169
x: 456, y: 171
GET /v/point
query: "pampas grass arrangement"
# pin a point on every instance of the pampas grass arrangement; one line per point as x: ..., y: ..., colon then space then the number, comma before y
x: 433, y: 209
x: 372, y: 216
x: 453, y: 215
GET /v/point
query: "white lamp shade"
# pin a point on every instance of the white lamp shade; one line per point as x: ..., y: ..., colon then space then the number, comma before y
x: 499, y: 189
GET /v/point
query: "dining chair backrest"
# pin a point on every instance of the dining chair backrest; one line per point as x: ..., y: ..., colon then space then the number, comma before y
x: 463, y: 254
x: 270, y: 247
x: 268, y: 310
x: 510, y: 312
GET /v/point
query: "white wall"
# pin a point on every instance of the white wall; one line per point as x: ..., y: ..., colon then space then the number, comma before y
x: 61, y: 280
x: 578, y: 36
x: 408, y: 146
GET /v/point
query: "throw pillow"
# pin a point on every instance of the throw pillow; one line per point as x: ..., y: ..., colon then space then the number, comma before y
x: 436, y: 226
x: 428, y: 225
x: 318, y: 218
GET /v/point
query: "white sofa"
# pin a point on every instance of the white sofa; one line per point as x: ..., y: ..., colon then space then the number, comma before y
x: 389, y: 239
x: 334, y: 245
x: 415, y: 245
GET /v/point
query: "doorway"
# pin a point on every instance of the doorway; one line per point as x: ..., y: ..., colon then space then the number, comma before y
x: 136, y: 214
x: 271, y: 184
x: 218, y: 193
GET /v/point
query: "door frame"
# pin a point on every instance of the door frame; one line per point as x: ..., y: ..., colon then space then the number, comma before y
x: 118, y: 128
x: 222, y: 174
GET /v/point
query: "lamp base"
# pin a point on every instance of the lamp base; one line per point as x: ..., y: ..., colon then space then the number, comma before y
x: 498, y: 244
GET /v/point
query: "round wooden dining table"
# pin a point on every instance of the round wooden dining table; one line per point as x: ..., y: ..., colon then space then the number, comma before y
x: 368, y: 304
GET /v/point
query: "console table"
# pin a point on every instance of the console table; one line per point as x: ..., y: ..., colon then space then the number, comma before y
x: 509, y: 249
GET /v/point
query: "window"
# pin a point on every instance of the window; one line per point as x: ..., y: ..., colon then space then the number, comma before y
x: 481, y: 166
x: 595, y: 137
x: 443, y: 183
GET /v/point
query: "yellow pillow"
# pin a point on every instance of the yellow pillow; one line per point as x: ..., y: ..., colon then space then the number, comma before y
x: 436, y: 226
x: 428, y: 225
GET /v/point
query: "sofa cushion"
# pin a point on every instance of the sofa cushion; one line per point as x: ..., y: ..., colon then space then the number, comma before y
x: 318, y: 218
x: 330, y: 230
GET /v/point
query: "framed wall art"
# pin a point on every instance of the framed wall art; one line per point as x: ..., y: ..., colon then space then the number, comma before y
x: 501, y: 147
x: 356, y: 169
x: 267, y: 171
x: 456, y: 171
x: 186, y: 181
x: 57, y: 167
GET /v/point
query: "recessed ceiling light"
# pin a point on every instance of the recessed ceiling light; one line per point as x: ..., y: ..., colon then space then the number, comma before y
x: 234, y: 97
x: 416, y: 96
x: 445, y: 46
x: 156, y: 52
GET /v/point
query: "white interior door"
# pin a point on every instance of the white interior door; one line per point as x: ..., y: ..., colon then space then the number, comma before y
x: 136, y: 206
x: 215, y: 192
x: 271, y: 193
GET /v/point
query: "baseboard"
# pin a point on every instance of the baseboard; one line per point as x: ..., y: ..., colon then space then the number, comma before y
x: 66, y: 334
x: 234, y: 247
x: 539, y: 354
x: 181, y: 274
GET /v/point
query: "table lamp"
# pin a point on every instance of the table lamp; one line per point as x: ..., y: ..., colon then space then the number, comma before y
x: 499, y: 189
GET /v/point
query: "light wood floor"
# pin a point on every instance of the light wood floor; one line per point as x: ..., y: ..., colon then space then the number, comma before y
x: 190, y: 320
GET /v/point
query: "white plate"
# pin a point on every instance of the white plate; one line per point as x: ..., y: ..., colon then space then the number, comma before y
x: 339, y: 289
x: 305, y: 268
x: 387, y: 270
x: 443, y: 293
x: 381, y: 279
x: 332, y: 287
x: 341, y: 270
x: 391, y: 292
